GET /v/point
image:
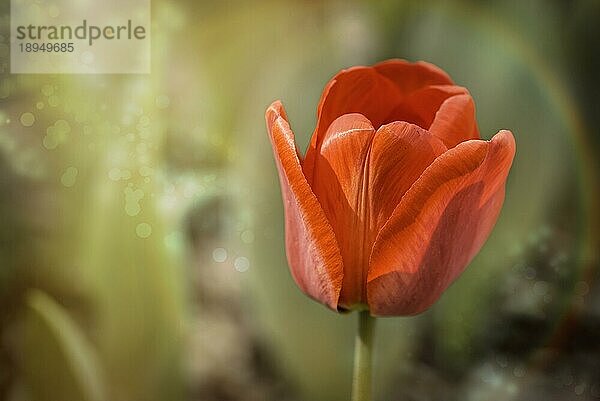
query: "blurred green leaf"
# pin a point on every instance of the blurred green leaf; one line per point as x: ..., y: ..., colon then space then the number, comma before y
x: 59, y: 363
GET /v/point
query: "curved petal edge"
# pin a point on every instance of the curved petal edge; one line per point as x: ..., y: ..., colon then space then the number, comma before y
x: 374, y: 92
x: 311, y: 247
x: 438, y: 226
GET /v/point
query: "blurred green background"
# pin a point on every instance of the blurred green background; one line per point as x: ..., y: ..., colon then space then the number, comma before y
x: 141, y: 225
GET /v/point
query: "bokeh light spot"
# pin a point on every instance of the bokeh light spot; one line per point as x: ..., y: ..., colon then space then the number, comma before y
x: 69, y: 177
x: 53, y: 101
x: 143, y: 230
x: 219, y: 255
x: 27, y: 119
x: 132, y: 201
x: 56, y: 134
x: 247, y: 237
x: 241, y: 264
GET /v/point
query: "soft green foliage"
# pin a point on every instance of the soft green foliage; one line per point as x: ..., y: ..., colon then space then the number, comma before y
x: 59, y: 362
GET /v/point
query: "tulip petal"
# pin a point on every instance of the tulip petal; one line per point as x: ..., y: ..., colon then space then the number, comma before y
x: 355, y: 90
x: 339, y: 183
x: 312, y: 250
x: 409, y: 76
x: 374, y: 92
x: 400, y: 152
x: 421, y: 106
x: 360, y: 176
x: 455, y: 121
x: 438, y: 226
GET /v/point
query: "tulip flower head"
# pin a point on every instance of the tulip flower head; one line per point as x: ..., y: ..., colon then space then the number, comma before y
x: 396, y: 193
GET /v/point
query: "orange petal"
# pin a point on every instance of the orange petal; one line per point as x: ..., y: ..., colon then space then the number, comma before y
x: 421, y: 106
x: 409, y: 76
x: 312, y: 251
x: 339, y: 183
x: 355, y: 90
x: 374, y: 92
x: 438, y: 226
x: 360, y: 176
x: 400, y: 152
x: 455, y: 121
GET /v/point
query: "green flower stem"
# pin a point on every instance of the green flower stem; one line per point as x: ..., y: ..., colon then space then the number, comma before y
x: 363, y: 351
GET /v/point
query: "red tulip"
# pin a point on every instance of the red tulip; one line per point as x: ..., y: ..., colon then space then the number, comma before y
x: 396, y: 193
